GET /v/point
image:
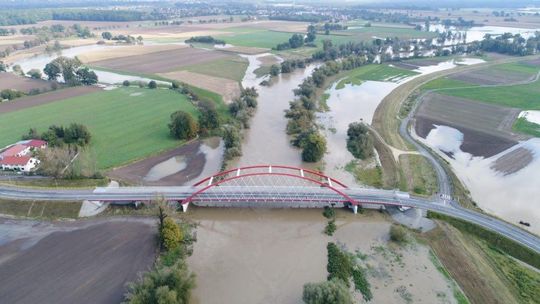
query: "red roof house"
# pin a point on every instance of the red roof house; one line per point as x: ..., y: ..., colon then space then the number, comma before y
x: 15, y: 150
x: 36, y: 144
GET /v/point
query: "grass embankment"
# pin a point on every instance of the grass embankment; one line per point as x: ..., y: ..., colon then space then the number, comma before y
x: 40, y: 209
x: 230, y: 68
x: 484, y: 272
x: 126, y: 123
x: 419, y: 176
x: 372, y: 176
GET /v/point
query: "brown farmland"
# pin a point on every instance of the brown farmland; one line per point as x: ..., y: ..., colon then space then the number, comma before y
x: 36, y: 100
x: 75, y: 262
x: 23, y: 84
x: 161, y: 62
x: 490, y: 76
x: 513, y: 161
x: 227, y: 88
x: 486, y: 127
x: 134, y: 173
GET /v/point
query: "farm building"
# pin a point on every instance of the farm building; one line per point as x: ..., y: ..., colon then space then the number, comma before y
x: 18, y: 157
x: 17, y: 150
x: 19, y: 163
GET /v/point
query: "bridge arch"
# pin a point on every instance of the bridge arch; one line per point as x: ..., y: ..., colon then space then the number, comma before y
x: 270, y: 184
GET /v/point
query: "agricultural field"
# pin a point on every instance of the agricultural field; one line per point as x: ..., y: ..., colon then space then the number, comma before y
x: 23, y: 84
x: 44, y: 98
x: 47, y: 262
x: 161, y: 62
x: 123, y: 129
x: 486, y: 128
x: 523, y: 96
x: 500, y: 74
x: 126, y: 51
x: 233, y: 68
x: 227, y: 88
x: 376, y: 72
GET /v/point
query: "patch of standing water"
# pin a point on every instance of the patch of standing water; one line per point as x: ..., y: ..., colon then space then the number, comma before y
x: 171, y: 166
x: 352, y: 104
x: 513, y: 197
x: 105, y: 77
x: 477, y: 33
x: 531, y: 116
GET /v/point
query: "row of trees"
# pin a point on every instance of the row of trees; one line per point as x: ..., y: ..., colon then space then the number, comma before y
x: 71, y: 70
x: 57, y: 136
x: 170, y: 282
x: 122, y: 38
x: 205, y: 39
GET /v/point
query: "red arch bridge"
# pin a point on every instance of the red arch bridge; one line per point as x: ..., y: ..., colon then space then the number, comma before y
x: 274, y: 186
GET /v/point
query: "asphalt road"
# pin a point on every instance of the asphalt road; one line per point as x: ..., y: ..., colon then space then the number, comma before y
x: 311, y: 195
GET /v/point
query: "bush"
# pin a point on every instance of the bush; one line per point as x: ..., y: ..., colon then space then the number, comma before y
x: 339, y: 264
x: 329, y: 212
x: 183, y: 125
x: 330, y: 292
x: 170, y: 234
x: 126, y: 83
x: 152, y: 84
x: 398, y: 234
x: 330, y: 227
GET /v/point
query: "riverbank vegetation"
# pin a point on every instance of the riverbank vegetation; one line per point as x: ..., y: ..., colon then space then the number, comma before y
x: 342, y: 268
x: 495, y: 240
x: 170, y: 281
x: 474, y: 261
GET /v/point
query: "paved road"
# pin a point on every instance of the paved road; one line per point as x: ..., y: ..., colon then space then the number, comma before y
x: 369, y: 196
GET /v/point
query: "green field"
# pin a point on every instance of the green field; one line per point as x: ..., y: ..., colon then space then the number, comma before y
x: 524, y: 126
x: 445, y: 83
x: 254, y: 37
x: 230, y: 68
x: 519, y: 96
x: 124, y: 127
x: 376, y: 72
x: 263, y: 38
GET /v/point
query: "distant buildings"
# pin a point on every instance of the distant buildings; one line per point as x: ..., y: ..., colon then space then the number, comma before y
x: 19, y: 157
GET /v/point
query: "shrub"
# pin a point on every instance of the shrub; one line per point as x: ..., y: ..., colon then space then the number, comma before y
x: 329, y: 212
x: 152, y: 84
x: 398, y: 234
x: 314, y: 147
x: 330, y: 227
x: 170, y: 234
x: 329, y: 292
x: 126, y: 83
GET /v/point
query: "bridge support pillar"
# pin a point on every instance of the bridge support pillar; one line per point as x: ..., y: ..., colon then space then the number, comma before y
x: 184, y: 207
x: 354, y: 209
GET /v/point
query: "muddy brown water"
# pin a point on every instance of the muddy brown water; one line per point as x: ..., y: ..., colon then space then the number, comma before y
x: 267, y: 255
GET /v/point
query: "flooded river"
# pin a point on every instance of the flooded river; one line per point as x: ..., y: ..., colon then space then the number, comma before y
x: 265, y: 142
x: 266, y: 256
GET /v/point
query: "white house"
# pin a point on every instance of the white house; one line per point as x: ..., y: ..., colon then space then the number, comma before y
x: 16, y: 163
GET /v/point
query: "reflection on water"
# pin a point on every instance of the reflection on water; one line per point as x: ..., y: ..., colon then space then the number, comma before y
x: 513, y: 197
x: 477, y: 33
